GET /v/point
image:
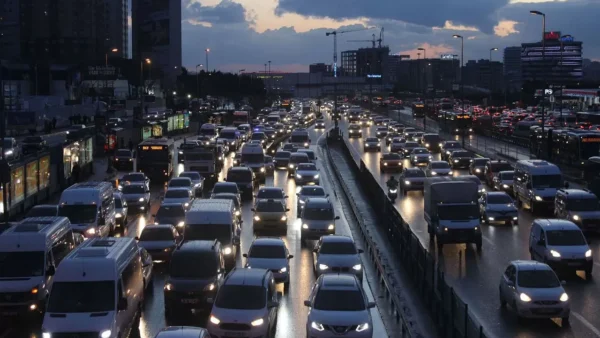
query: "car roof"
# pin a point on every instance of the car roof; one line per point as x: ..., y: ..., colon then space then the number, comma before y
x: 331, y: 281
x: 180, y: 178
x: 576, y: 193
x: 240, y: 169
x: 171, y: 204
x: 157, y: 226
x: 139, y: 184
x: 198, y: 246
x: 530, y: 265
x: 337, y: 239
x: 245, y: 276
x: 270, y: 241
x: 270, y: 189
x: 178, y: 189
x: 318, y: 202
x: 497, y: 193
x: 225, y: 183
x: 556, y: 224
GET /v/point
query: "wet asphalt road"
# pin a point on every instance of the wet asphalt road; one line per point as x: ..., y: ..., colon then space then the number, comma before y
x: 476, y: 276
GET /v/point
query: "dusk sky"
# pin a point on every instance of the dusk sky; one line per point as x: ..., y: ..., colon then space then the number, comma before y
x: 245, y: 34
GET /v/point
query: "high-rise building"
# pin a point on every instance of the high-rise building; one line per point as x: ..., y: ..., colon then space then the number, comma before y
x: 512, y: 68
x: 554, y: 61
x: 349, y: 62
x: 424, y: 75
x: 366, y: 61
x: 117, y: 27
x: 156, y: 28
x: 320, y: 68
x: 484, y: 74
x: 10, y: 40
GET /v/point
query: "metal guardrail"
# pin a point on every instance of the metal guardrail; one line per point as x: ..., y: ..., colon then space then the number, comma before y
x: 449, y: 312
x: 390, y: 295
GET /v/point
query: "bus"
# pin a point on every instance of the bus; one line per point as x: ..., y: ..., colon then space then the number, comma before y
x: 155, y: 158
x: 418, y: 109
x: 456, y: 123
x: 571, y: 146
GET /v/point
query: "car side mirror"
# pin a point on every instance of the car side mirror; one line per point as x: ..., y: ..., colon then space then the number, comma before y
x: 245, y: 255
x: 153, y: 215
x: 290, y: 256
x: 361, y: 251
x: 51, y: 270
x: 337, y: 217
x: 122, y: 304
x: 371, y: 305
x: 307, y: 303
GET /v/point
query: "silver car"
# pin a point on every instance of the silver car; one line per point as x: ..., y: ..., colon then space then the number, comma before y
x: 438, y: 168
x: 337, y: 254
x: 307, y: 173
x: 306, y: 192
x: 338, y: 308
x: 533, y: 290
x: 420, y: 157
x: 137, y: 196
x: 271, y: 193
x: 120, y: 209
x: 381, y: 132
x: 498, y: 207
x: 197, y: 181
x: 503, y: 181
x: 270, y: 215
x: 372, y: 143
x: 181, y: 196
x: 317, y: 219
x: 270, y: 253
x: 412, y: 179
x: 397, y: 144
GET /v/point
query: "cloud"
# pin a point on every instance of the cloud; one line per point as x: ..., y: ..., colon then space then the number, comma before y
x: 432, y: 51
x: 448, y: 25
x: 225, y: 12
x: 505, y: 28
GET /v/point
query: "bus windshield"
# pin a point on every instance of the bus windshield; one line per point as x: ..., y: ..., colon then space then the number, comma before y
x: 154, y: 155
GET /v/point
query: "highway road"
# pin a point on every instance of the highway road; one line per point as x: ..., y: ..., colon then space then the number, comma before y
x: 292, y: 312
x: 475, y: 276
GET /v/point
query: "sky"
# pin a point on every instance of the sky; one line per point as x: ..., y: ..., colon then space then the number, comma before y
x: 246, y: 34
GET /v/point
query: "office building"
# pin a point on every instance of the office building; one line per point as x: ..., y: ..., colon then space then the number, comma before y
x: 117, y: 27
x: 156, y: 35
x: 512, y: 68
x: 320, y: 68
x: 554, y: 61
x: 349, y: 63
x: 423, y: 75
x: 365, y: 61
x: 10, y: 46
x: 484, y: 74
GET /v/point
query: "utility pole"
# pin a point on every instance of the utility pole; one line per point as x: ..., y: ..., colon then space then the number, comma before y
x: 543, y: 66
x: 562, y: 87
x: 491, y: 75
x: 197, y: 81
x: 270, y: 78
x: 425, y: 87
x: 462, y: 85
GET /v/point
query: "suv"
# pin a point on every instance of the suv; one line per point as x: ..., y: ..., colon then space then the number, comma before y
x: 579, y: 206
x: 318, y: 219
x: 196, y: 273
x: 270, y: 214
x: 244, y: 178
x: 270, y: 253
x: 246, y: 305
x: 338, y: 306
x: 124, y: 159
x: 337, y: 253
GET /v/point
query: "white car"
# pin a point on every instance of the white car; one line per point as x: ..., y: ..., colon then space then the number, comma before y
x: 337, y: 254
x: 438, y: 168
x: 181, y: 196
x: 420, y: 156
x: 397, y: 144
x: 270, y: 253
x: 372, y: 143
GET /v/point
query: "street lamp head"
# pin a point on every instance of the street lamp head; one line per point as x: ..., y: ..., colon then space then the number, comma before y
x: 148, y: 61
x: 174, y: 93
x: 537, y: 13
x: 493, y: 49
x: 420, y: 48
x: 114, y: 50
x: 189, y: 96
x: 207, y: 50
x: 456, y: 36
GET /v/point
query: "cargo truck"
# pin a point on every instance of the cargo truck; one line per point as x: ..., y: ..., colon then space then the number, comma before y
x: 452, y: 211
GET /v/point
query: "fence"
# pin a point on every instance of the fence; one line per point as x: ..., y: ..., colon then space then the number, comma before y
x: 450, y: 314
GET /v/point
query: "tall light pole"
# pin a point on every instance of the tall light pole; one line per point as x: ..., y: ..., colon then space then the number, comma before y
x: 240, y: 78
x: 114, y: 50
x: 142, y: 84
x: 562, y: 87
x: 462, y: 86
x: 207, y: 50
x: 423, y: 75
x: 270, y: 79
x: 197, y: 81
x: 543, y: 70
x: 491, y: 75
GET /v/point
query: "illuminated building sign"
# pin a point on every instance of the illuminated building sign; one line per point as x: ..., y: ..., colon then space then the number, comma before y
x: 552, y: 35
x: 374, y: 76
x: 153, y: 148
x: 567, y: 39
x: 590, y: 139
x: 446, y: 56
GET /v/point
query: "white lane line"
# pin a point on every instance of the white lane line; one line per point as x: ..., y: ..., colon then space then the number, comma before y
x: 489, y: 241
x: 586, y: 323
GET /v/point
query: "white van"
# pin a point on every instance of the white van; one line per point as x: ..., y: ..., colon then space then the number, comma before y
x: 301, y: 138
x: 29, y: 254
x: 253, y: 157
x: 99, y: 288
x: 535, y: 184
x: 214, y: 219
x: 90, y: 206
x: 209, y: 130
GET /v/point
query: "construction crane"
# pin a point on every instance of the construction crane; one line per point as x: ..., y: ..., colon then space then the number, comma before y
x: 371, y: 41
x: 380, y: 40
x: 335, y: 34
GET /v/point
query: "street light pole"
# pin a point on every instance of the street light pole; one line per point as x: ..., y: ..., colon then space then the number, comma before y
x: 270, y: 78
x: 462, y: 85
x: 491, y: 75
x: 562, y: 87
x: 543, y: 70
x: 197, y: 81
x: 207, y: 50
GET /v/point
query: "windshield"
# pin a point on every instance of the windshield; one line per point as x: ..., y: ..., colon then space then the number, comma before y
x: 78, y: 213
x: 318, y: 214
x: 191, y: 176
x: 7, y: 143
x: 480, y: 162
x: 177, y: 194
x: 440, y: 165
x: 283, y: 154
x: 499, y: 199
x: 299, y: 138
x: 537, y: 279
x: 157, y: 234
x: 414, y: 173
x: 507, y: 176
x: 241, y: 297
x: 253, y: 158
x: 451, y: 145
x: 312, y: 191
x: 154, y: 155
x: 372, y: 139
x: 258, y: 136
x: 583, y: 204
x: 180, y: 183
x: 208, y: 232
x: 338, y: 248
x: 32, y: 139
x: 299, y: 158
x: 267, y: 251
x: 546, y: 181
x: 565, y: 237
x: 123, y: 153
x: 230, y: 135
x: 339, y: 300
x: 170, y: 211
x: 431, y: 138
x: 409, y: 145
x: 270, y: 193
x: 82, y: 297
x: 133, y: 189
x: 353, y: 126
x: 307, y: 166
x: 501, y: 166
x: 392, y: 157
x: 208, y: 132
x: 205, y: 156
x: 43, y: 211
x: 21, y: 264
x: 461, y: 154
x: 230, y: 188
x: 193, y: 265
x: 133, y: 178
x: 589, y: 149
x: 239, y: 176
x: 420, y: 151
x: 270, y: 207
x: 458, y: 213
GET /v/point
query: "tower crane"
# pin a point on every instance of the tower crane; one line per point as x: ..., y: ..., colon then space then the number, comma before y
x: 335, y: 34
x: 371, y: 41
x: 380, y: 40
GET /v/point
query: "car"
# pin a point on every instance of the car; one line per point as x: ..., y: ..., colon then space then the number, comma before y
x: 147, y: 269
x: 237, y: 203
x: 171, y: 213
x: 182, y: 332
x: 306, y: 192
x: 390, y: 162
x: 124, y: 159
x: 33, y: 144
x: 432, y: 142
x: 182, y: 182
x: 503, y: 181
x: 121, y: 210
x: 337, y: 254
x: 390, y: 137
x: 270, y: 132
x: 320, y: 124
x: 354, y: 130
x: 270, y: 253
x: 306, y: 173
x: 420, y: 157
x: 493, y: 167
x: 317, y: 219
x: 237, y: 158
x: 282, y: 159
x: 438, y: 168
x: 134, y: 177
x: 381, y: 132
x: 409, y: 131
x: 477, y: 167
x: 269, y: 165
x: 292, y: 148
x: 409, y: 146
x: 417, y: 137
x: 579, y: 206
x: 365, y: 122
x: 245, y: 179
x: 412, y: 179
x: 45, y: 210
x: 338, y: 307
x: 228, y: 187
x: 195, y: 276
x: 197, y: 181
x: 460, y: 159
x: 533, y: 290
x: 270, y: 215
x: 397, y: 144
x: 497, y: 206
x: 246, y: 304
x: 137, y: 196
x: 260, y: 137
x: 159, y: 240
x: 271, y: 193
x: 182, y: 196
x: 447, y: 148
x: 295, y: 159
x: 372, y: 144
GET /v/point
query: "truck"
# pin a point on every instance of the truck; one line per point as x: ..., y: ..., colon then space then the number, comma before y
x: 241, y: 117
x: 203, y: 160
x: 452, y: 211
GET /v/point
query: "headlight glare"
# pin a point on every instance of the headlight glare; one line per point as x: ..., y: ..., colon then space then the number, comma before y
x: 227, y: 250
x: 317, y: 326
x: 323, y: 267
x: 564, y: 297
x: 257, y: 322
x: 555, y: 253
x: 524, y: 298
x: 105, y: 334
x: 357, y: 267
x: 362, y: 327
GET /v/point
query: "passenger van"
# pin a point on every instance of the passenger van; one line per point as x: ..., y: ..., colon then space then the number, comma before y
x: 29, y: 254
x: 90, y: 206
x: 99, y: 287
x: 209, y: 130
x: 214, y: 219
x: 300, y: 138
x: 535, y: 184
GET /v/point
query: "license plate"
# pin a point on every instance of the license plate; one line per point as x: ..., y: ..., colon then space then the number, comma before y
x: 189, y: 301
x: 234, y: 334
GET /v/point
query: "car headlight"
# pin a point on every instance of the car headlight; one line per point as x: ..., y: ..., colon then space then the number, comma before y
x: 227, y: 250
x: 362, y: 327
x: 323, y: 267
x: 237, y: 212
x: 564, y: 297
x: 538, y: 198
x: 118, y: 215
x: 186, y: 204
x: 302, y: 201
x: 141, y: 199
x: 576, y: 218
x: 284, y: 218
x: 379, y: 144
x: 427, y: 145
x: 47, y: 334
x: 180, y: 153
x: 316, y: 176
x: 8, y: 152
x: 180, y: 224
x: 524, y: 298
x: 357, y: 267
x: 407, y: 182
x: 262, y: 170
x: 451, y: 172
x: 505, y: 186
x: 515, y: 218
x: 105, y: 334
x: 588, y: 253
x: 298, y: 176
x: 477, y: 170
x: 331, y: 227
x: 257, y: 322
x: 440, y: 144
x: 317, y: 326
x: 215, y: 320
x: 91, y: 231
x: 257, y: 218
x: 282, y: 270
x: 168, y: 287
x: 433, y: 173
x: 491, y: 218
x: 291, y: 166
x: 555, y: 253
x: 304, y: 226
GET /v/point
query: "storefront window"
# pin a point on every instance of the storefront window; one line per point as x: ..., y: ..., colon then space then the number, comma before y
x: 70, y: 157
x: 18, y: 184
x: 44, y: 172
x: 32, y: 178
x: 85, y: 151
x: 171, y: 124
x: 146, y: 132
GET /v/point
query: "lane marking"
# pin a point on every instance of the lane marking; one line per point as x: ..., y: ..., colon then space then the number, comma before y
x: 489, y: 241
x: 586, y: 323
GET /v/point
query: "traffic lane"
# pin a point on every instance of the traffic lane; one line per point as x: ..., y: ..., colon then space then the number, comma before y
x: 477, y: 275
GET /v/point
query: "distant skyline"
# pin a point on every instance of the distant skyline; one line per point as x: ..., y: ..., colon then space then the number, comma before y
x: 245, y: 34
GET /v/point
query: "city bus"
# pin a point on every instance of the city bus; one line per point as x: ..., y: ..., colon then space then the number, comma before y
x: 155, y: 158
x: 456, y: 123
x: 571, y: 146
x: 241, y: 117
